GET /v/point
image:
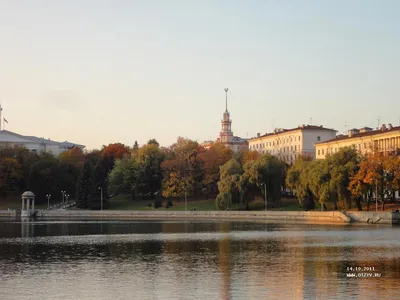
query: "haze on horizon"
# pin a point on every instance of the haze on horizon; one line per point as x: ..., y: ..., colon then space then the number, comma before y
x: 97, y: 72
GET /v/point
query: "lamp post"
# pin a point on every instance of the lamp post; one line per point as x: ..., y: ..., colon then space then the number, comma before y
x: 376, y: 196
x: 66, y: 197
x: 48, y: 200
x: 63, y: 195
x: 101, y: 197
x: 265, y: 195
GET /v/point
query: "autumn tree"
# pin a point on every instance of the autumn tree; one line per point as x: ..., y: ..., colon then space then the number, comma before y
x: 149, y: 172
x: 377, y: 172
x: 297, y: 180
x: 182, y: 170
x: 212, y: 159
x: 115, y: 151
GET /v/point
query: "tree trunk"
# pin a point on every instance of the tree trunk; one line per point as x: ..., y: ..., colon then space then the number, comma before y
x: 358, y: 203
x: 383, y: 205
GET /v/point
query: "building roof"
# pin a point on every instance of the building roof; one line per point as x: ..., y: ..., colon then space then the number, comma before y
x: 34, y: 139
x: 360, y: 134
x: 302, y: 127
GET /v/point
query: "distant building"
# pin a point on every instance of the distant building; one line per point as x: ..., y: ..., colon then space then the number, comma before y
x: 35, y: 144
x: 289, y: 144
x: 384, y: 139
x: 226, y: 136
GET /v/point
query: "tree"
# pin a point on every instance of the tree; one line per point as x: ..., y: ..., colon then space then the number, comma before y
x: 297, y: 179
x: 182, y: 169
x: 84, y: 184
x: 149, y: 177
x: 229, y: 183
x: 212, y: 159
x: 319, y: 180
x: 10, y: 175
x: 100, y: 183
x: 343, y: 165
x: 377, y: 173
x: 115, y: 151
x: 153, y: 142
x: 43, y: 177
x: 250, y: 155
x: 267, y: 170
x: 123, y: 177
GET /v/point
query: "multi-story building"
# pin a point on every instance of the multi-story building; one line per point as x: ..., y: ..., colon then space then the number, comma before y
x: 384, y: 139
x: 35, y: 144
x: 289, y: 144
x: 226, y: 136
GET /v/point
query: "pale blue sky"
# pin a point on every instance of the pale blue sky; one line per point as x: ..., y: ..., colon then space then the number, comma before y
x: 96, y: 72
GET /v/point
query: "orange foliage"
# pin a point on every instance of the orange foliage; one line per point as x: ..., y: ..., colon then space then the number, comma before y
x: 250, y: 155
x: 73, y: 156
x: 116, y: 150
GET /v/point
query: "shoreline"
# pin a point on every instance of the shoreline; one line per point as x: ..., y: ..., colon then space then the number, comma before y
x: 305, y: 217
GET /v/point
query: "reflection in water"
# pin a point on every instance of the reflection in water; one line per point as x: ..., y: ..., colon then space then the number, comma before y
x: 198, y: 260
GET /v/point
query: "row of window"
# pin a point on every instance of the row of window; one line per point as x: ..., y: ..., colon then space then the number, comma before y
x: 265, y: 145
x: 286, y: 158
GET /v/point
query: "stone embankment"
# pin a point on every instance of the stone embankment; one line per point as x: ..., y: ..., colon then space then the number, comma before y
x: 273, y: 216
x: 307, y: 217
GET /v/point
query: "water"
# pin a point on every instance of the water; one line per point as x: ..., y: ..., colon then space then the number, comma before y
x: 195, y: 260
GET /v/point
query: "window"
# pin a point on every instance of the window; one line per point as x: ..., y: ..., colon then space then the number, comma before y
x: 323, y: 151
x: 295, y: 147
x: 319, y: 152
x: 318, y: 139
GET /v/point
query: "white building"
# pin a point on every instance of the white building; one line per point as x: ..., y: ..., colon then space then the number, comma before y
x: 226, y: 136
x: 364, y: 140
x: 35, y: 144
x: 289, y: 144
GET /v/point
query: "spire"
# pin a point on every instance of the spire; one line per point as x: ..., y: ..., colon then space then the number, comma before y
x: 226, y: 98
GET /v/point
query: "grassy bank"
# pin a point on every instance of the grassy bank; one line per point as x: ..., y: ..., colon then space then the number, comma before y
x: 125, y: 203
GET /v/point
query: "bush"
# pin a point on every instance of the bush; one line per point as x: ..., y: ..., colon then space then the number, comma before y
x: 223, y: 201
x: 308, y: 203
x: 157, y: 203
x: 168, y: 203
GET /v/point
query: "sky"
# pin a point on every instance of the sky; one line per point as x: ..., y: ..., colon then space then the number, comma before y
x: 98, y: 72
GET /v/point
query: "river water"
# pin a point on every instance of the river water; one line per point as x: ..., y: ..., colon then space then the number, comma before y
x: 197, y: 260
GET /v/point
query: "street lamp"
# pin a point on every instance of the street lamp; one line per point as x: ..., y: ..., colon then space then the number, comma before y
x: 376, y: 196
x: 265, y: 195
x: 101, y: 197
x: 63, y: 195
x: 48, y: 200
x: 66, y: 197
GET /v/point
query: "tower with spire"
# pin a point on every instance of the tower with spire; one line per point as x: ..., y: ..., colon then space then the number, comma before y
x: 226, y: 134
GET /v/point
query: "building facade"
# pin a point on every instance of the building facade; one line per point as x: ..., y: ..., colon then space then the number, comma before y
x: 226, y: 136
x: 35, y: 144
x: 384, y: 139
x: 289, y: 144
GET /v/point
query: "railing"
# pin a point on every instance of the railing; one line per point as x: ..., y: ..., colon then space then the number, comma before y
x: 64, y: 205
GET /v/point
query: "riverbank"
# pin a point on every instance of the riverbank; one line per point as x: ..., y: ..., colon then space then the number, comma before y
x: 307, y: 217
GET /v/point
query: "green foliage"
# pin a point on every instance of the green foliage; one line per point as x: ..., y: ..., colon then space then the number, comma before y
x: 267, y: 170
x: 100, y: 183
x: 123, y: 176
x: 84, y: 185
x: 229, y: 183
x: 223, y: 201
